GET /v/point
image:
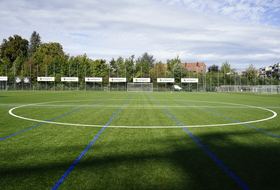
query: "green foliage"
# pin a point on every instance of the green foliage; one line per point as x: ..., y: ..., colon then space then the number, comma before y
x: 159, y: 70
x: 14, y: 47
x: 175, y: 68
x: 251, y: 72
x: 225, y: 68
x: 34, y: 43
x: 47, y: 52
x: 99, y: 68
x: 49, y: 59
x: 213, y: 68
x: 129, y: 65
x: 146, y: 58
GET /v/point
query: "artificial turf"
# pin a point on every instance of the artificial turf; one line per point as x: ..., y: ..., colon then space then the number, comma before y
x: 152, y: 140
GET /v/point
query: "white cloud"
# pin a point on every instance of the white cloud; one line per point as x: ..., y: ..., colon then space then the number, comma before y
x: 195, y: 30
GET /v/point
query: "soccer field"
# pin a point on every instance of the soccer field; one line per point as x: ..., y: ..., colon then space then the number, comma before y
x: 126, y: 140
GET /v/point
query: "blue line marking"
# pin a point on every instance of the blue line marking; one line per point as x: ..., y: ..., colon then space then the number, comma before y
x: 87, y: 148
x: 208, y: 151
x: 153, y: 99
x: 99, y: 101
x: 40, y: 124
x: 242, y: 123
x: 184, y: 102
x: 47, y: 121
x: 234, y: 120
x: 83, y: 153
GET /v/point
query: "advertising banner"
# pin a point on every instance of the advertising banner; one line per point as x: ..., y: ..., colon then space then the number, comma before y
x: 50, y: 79
x: 69, y: 79
x: 26, y: 79
x: 117, y: 79
x: 3, y: 78
x: 166, y: 80
x: 141, y: 80
x: 189, y: 80
x: 17, y: 79
x: 93, y: 79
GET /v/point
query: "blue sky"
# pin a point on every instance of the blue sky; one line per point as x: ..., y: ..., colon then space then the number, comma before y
x: 242, y: 32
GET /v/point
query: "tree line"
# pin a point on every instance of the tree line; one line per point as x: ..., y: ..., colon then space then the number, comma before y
x: 20, y: 57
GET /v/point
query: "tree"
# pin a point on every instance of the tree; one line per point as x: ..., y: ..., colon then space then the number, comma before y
x: 146, y: 58
x: 129, y: 66
x: 14, y: 47
x: 225, y: 68
x: 35, y: 41
x: 175, y: 66
x: 213, y: 68
x: 173, y: 62
x: 159, y: 70
x: 47, y: 52
x: 251, y: 72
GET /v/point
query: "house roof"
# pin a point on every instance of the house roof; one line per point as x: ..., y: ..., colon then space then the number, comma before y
x: 197, y: 67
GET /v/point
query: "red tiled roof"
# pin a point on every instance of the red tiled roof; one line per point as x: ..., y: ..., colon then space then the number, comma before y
x: 195, y: 67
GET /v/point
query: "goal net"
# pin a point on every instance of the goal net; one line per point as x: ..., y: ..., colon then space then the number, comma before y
x: 235, y: 88
x: 269, y: 89
x: 139, y: 87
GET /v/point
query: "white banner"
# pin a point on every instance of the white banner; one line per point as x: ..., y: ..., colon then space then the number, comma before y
x: 189, y: 80
x: 117, y: 79
x: 3, y: 78
x: 69, y: 79
x: 18, y: 79
x: 166, y: 80
x: 141, y: 80
x: 26, y: 79
x: 45, y: 78
x: 93, y: 79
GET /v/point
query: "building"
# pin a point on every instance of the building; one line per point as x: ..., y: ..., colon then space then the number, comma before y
x: 269, y: 71
x: 198, y: 67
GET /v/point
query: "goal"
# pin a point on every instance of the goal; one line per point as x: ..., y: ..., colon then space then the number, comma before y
x: 139, y: 87
x: 269, y: 89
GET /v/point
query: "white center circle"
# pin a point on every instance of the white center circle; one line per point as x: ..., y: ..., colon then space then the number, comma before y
x: 211, y: 125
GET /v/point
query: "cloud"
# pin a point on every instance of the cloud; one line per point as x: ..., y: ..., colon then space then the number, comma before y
x: 253, y: 10
x: 213, y: 32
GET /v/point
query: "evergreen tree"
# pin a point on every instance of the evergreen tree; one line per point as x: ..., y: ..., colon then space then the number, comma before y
x: 146, y: 58
x: 34, y: 43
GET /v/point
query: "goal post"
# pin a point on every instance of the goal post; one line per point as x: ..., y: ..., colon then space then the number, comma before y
x: 139, y: 87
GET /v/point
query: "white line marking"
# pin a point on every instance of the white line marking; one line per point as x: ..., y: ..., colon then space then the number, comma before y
x: 212, y: 125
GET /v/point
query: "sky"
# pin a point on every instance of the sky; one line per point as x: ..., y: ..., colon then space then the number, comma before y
x: 242, y: 32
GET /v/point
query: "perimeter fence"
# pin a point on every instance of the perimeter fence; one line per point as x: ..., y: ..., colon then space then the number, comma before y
x: 123, y: 86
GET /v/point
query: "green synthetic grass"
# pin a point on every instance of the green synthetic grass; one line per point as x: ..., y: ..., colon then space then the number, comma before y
x: 142, y: 147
